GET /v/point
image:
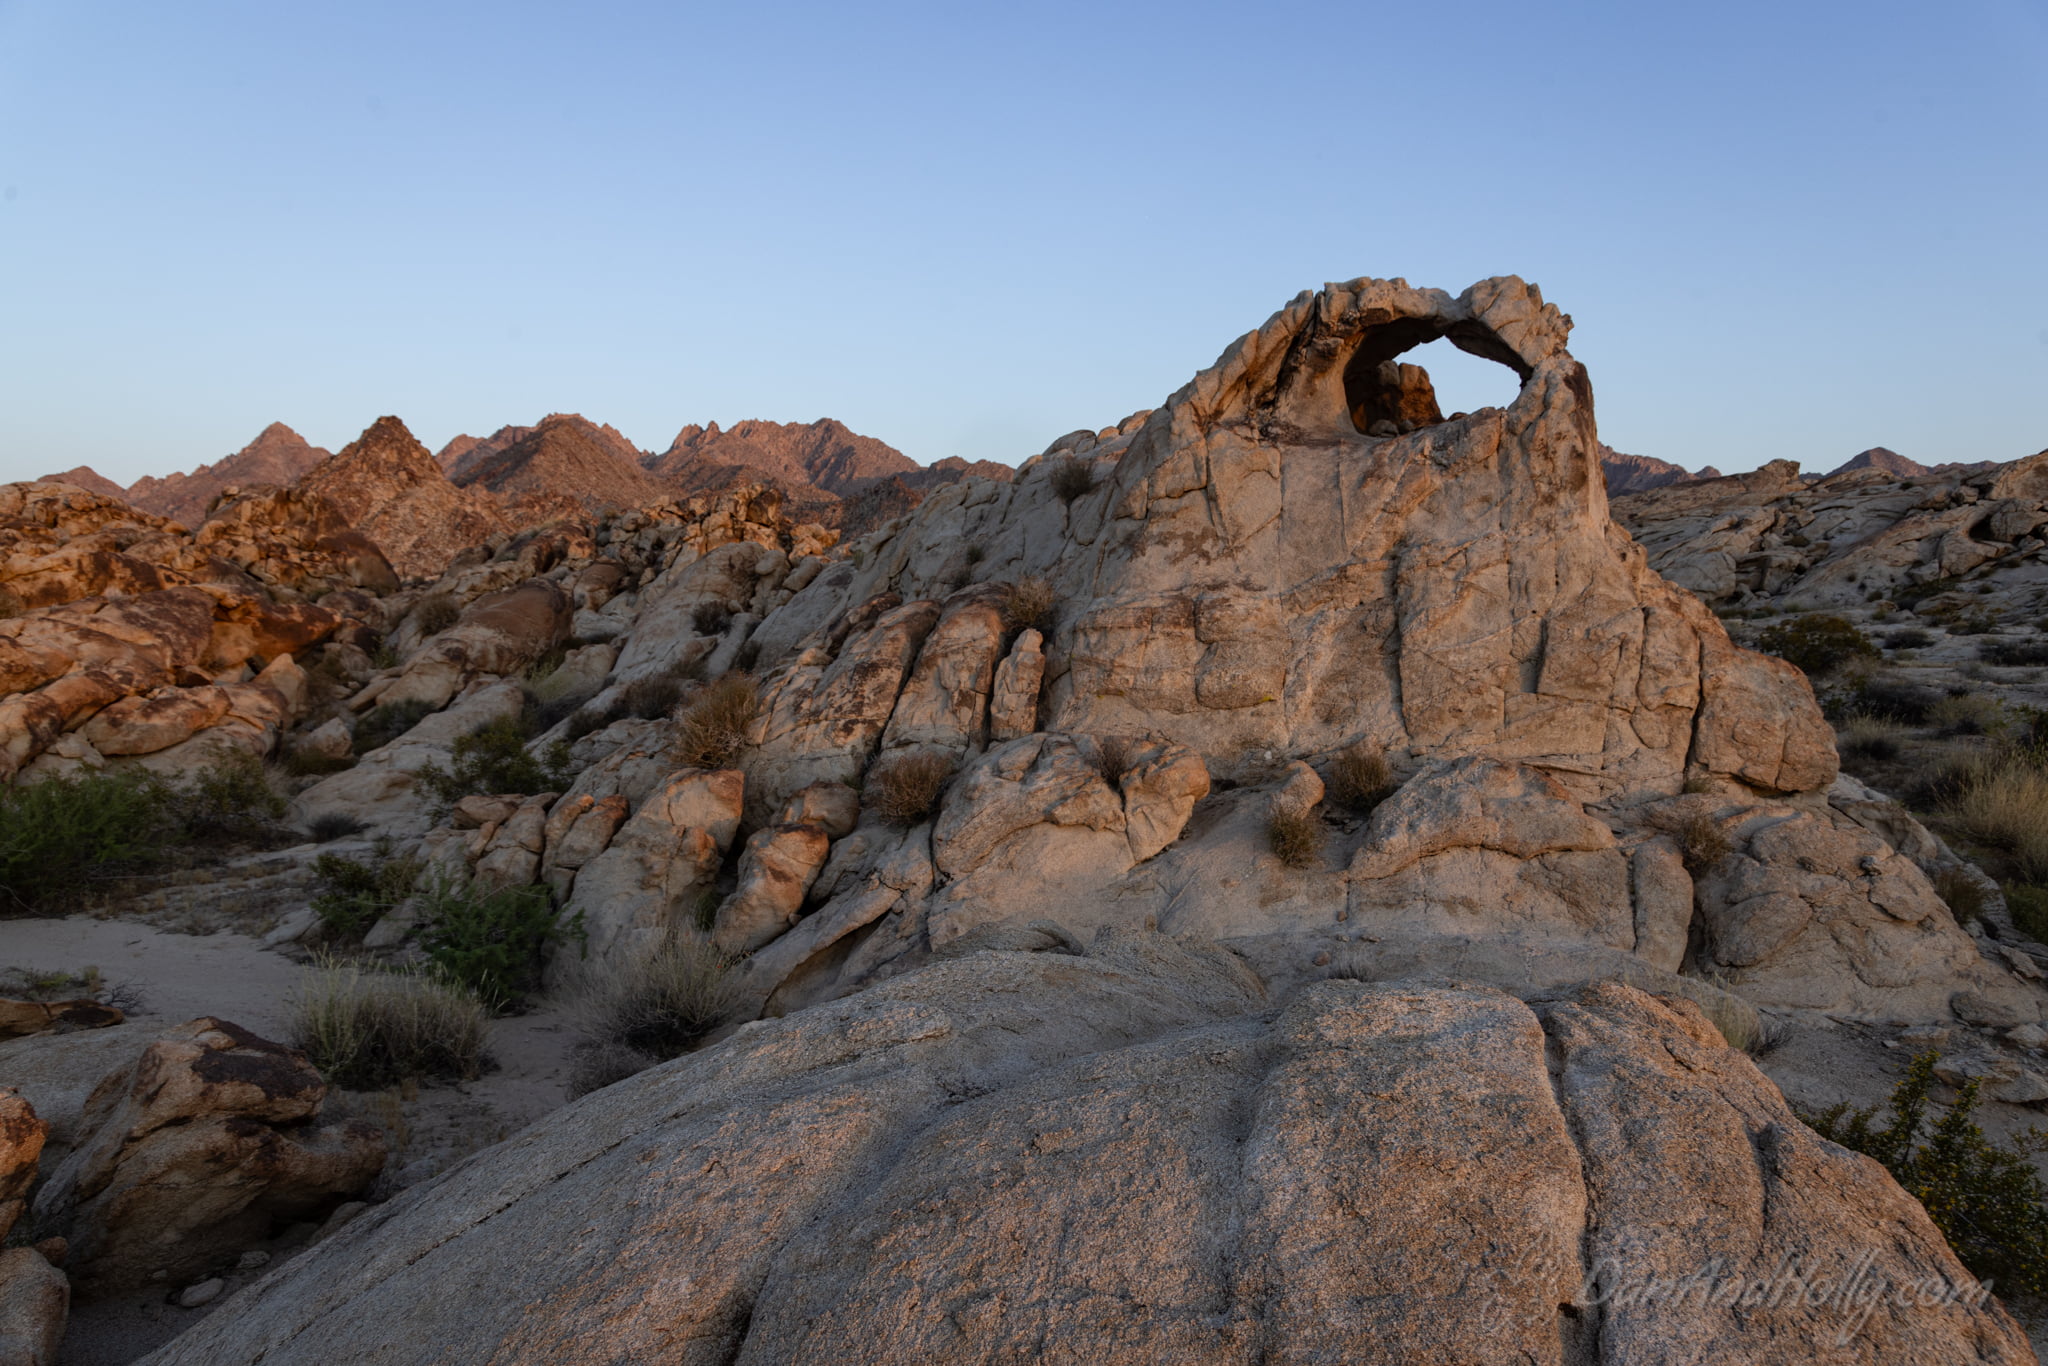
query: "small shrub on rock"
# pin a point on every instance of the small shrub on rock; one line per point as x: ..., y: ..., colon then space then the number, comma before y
x: 1296, y: 837
x: 230, y: 798
x: 1908, y: 638
x: 1961, y: 893
x: 1071, y: 478
x: 905, y: 790
x: 492, y: 943
x: 494, y: 758
x: 354, y: 895
x: 1701, y: 841
x: 382, y: 724
x: 710, y: 618
x: 334, y: 825
x: 435, y: 613
x: 1030, y: 604
x: 1112, y: 757
x: 659, y: 1007
x: 1816, y: 643
x: 365, y: 1029
x: 1359, y: 779
x: 1986, y: 1198
x: 713, y: 729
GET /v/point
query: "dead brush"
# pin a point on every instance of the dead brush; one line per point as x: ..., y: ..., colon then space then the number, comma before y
x: 659, y: 1007
x: 1359, y: 779
x: 1072, y: 478
x: 1113, y: 757
x: 713, y: 729
x: 1029, y: 604
x: 905, y: 791
x: 1296, y: 837
x: 1701, y: 841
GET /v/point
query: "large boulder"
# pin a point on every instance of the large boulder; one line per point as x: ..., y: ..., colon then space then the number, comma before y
x: 662, y: 861
x: 1132, y: 1156
x: 195, y: 1151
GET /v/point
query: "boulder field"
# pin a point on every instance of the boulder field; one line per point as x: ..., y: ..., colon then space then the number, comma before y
x: 1042, y: 1049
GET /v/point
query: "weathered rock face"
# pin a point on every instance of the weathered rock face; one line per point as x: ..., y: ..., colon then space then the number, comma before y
x: 664, y: 857
x: 389, y: 488
x: 1254, y: 571
x: 288, y: 537
x: 1131, y: 1155
x: 194, y: 1151
x: 1865, y: 530
x: 21, y: 1147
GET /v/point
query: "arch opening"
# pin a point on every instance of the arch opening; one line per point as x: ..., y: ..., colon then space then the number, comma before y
x: 1389, y: 396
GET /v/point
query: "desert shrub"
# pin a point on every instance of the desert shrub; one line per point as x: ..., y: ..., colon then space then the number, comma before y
x: 385, y: 722
x: 1908, y: 638
x: 1894, y: 699
x: 334, y: 825
x: 710, y: 618
x: 1977, y: 621
x: 1029, y: 604
x: 59, y: 834
x: 975, y: 553
x: 492, y: 943
x: 1816, y: 643
x: 230, y: 797
x: 1986, y: 1198
x: 659, y: 1007
x: 545, y: 713
x: 299, y: 762
x: 2013, y: 653
x: 494, y: 758
x: 1296, y: 837
x: 905, y: 790
x: 354, y: 895
x: 1967, y: 714
x: 713, y: 729
x: 434, y: 613
x: 2003, y: 804
x: 2028, y: 906
x: 51, y: 984
x: 1740, y: 1027
x: 365, y: 1029
x: 649, y: 698
x: 1961, y: 893
x: 1871, y: 737
x: 1071, y: 478
x: 1701, y: 841
x: 1113, y: 757
x: 1359, y: 779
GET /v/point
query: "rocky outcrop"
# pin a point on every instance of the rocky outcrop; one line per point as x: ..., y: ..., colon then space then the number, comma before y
x: 661, y: 863
x: 824, y: 454
x: 1133, y: 1155
x: 389, y: 488
x: 21, y: 1148
x: 278, y: 455
x: 1865, y: 533
x: 569, y: 458
x: 194, y: 1151
x: 1638, y: 473
x: 35, y: 1297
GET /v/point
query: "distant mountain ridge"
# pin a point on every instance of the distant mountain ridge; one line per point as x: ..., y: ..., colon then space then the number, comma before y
x: 1891, y: 462
x: 278, y: 455
x: 1640, y: 473
x: 825, y: 454
x: 565, y: 456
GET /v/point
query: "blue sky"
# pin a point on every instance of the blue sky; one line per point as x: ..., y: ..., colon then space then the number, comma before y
x: 1783, y: 230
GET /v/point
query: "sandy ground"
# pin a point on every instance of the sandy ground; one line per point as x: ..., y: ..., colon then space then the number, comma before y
x: 176, y: 977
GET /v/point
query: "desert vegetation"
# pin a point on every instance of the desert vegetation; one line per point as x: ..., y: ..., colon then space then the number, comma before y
x: 496, y: 757
x: 658, y: 1007
x: 905, y: 790
x: 366, y: 1028
x: 712, y: 730
x: 1030, y: 604
x: 493, y: 943
x: 1817, y: 643
x: 1295, y: 836
x: 1359, y: 779
x: 354, y: 894
x: 1072, y: 477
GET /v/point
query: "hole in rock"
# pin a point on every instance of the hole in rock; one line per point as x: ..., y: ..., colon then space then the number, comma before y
x: 1404, y: 375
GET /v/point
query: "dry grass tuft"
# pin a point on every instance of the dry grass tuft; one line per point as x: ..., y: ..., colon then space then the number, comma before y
x: 905, y: 791
x: 1072, y: 477
x: 1961, y: 893
x: 365, y: 1029
x: 658, y: 1008
x: 1866, y: 736
x: 2003, y: 804
x: 435, y: 613
x: 1029, y: 604
x: 1297, y: 837
x: 1701, y: 841
x: 714, y: 727
x: 1359, y: 779
x: 1113, y: 757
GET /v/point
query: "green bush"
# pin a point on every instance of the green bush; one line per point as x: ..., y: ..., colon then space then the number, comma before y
x: 494, y: 758
x: 493, y: 943
x: 1816, y: 644
x: 366, y: 1030
x: 1986, y: 1199
x: 383, y: 723
x: 230, y: 797
x: 354, y: 895
x: 59, y: 834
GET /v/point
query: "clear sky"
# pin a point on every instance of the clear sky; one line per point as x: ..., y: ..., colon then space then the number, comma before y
x: 1783, y: 229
